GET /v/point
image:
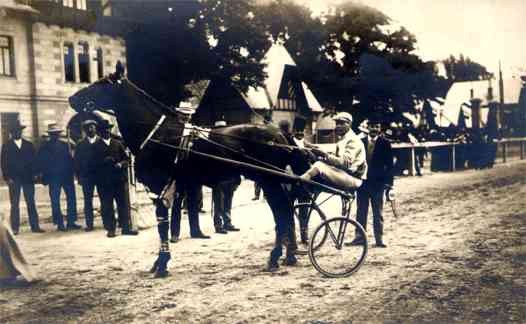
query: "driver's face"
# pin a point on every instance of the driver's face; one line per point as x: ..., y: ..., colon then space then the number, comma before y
x: 342, y: 127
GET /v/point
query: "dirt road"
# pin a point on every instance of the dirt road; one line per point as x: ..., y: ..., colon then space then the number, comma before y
x: 456, y: 254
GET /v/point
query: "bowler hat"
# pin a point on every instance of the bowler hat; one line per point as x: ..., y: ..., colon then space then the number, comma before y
x: 54, y: 128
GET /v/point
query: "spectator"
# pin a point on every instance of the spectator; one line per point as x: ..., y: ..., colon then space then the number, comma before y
x: 112, y: 181
x: 85, y: 165
x: 18, y: 157
x: 56, y: 165
x: 379, y: 178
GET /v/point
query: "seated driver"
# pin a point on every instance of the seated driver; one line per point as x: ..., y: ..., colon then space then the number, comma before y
x: 347, y: 168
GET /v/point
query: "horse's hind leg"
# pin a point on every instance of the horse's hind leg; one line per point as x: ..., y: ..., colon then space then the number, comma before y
x: 161, y: 264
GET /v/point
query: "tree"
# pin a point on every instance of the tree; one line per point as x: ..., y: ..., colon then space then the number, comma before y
x: 180, y: 42
x: 377, y: 66
x: 464, y: 69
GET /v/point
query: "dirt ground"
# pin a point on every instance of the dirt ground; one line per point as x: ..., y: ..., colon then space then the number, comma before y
x: 457, y: 253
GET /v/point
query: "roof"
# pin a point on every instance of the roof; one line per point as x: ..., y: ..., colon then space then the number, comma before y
x: 460, y: 94
x: 276, y: 59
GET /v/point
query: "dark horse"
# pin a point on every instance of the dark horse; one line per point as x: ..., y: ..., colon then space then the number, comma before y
x: 137, y: 114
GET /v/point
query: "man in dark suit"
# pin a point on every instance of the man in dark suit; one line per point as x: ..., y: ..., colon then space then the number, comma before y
x: 112, y: 181
x: 379, y: 179
x: 18, y: 157
x: 56, y: 165
x: 85, y: 166
x: 190, y: 191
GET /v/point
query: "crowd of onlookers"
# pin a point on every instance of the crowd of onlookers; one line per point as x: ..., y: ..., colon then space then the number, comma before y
x: 98, y: 161
x: 475, y: 149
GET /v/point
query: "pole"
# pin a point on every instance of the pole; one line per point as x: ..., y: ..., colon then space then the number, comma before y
x: 503, y: 152
x: 289, y: 177
x: 453, y: 157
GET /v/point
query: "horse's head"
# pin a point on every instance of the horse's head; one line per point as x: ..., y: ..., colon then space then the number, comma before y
x: 100, y: 95
x: 135, y: 110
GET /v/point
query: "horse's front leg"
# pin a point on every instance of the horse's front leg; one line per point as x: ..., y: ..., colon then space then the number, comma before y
x: 161, y: 264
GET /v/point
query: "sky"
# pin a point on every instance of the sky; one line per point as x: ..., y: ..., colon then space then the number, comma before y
x: 484, y: 30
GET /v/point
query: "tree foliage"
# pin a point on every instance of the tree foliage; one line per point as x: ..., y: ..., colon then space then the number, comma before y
x: 347, y: 54
x: 464, y: 69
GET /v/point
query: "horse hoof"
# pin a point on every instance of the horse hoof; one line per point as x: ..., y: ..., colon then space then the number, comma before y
x: 161, y: 274
x: 290, y: 261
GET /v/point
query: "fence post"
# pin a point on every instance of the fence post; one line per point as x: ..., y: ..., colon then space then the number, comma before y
x: 522, y: 149
x: 504, y: 152
x: 412, y: 164
x: 453, y: 157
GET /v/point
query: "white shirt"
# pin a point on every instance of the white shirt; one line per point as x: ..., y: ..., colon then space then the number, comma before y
x: 18, y: 143
x: 106, y: 141
x: 93, y: 139
x: 299, y: 142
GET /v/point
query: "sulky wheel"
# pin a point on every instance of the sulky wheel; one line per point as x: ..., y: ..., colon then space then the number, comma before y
x: 331, y: 251
x: 311, y: 215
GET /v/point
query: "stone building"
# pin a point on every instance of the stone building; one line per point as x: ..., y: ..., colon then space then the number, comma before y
x: 48, y: 51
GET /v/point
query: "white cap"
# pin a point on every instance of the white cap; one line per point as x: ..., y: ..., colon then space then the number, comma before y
x: 343, y: 116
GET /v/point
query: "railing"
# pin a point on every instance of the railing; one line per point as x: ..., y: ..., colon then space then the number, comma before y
x: 506, y: 150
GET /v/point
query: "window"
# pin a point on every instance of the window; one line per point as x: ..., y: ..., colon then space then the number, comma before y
x: 83, y: 59
x: 81, y: 4
x: 6, y: 56
x: 69, y: 63
x: 100, y: 64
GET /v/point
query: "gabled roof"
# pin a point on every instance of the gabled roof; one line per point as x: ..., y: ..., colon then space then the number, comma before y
x: 460, y: 94
x: 276, y: 58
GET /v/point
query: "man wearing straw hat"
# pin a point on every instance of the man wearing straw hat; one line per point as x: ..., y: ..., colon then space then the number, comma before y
x: 56, y: 165
x: 18, y: 157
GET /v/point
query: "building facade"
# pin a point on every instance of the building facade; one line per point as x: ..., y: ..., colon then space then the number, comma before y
x: 48, y: 51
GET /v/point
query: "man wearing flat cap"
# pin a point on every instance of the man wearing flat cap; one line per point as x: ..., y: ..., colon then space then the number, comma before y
x: 17, y: 162
x: 112, y: 181
x: 56, y: 165
x: 85, y: 166
x: 347, y: 167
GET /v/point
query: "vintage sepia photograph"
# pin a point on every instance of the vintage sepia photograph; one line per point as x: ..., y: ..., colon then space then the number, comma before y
x: 262, y: 161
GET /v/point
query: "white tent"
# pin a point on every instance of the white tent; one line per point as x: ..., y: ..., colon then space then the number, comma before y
x: 460, y: 93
